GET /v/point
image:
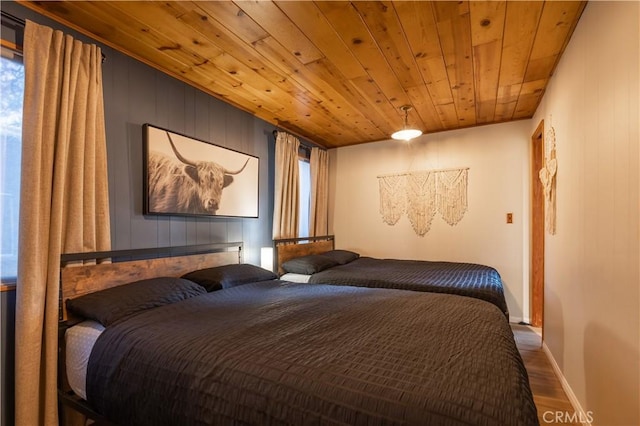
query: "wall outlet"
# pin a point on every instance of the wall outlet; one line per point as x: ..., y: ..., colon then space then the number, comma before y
x: 509, y: 217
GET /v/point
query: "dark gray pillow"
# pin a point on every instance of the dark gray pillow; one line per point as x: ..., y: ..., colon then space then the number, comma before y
x: 112, y: 304
x: 308, y: 264
x: 342, y: 256
x: 227, y: 276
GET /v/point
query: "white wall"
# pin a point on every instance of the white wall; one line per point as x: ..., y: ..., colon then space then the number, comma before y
x: 592, y: 315
x: 497, y: 157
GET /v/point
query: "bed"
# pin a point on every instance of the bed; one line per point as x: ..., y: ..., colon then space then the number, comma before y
x: 305, y: 260
x: 237, y: 346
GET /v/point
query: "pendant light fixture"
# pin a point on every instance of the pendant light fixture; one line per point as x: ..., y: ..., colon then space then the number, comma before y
x: 407, y: 133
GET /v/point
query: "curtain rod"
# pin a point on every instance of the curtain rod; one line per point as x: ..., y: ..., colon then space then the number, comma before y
x: 21, y: 23
x: 13, y: 18
x: 302, y: 145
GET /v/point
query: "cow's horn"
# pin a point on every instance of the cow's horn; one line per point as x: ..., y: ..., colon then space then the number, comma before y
x: 227, y: 172
x: 180, y: 156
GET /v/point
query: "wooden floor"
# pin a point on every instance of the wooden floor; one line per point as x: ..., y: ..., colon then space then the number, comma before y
x: 548, y: 394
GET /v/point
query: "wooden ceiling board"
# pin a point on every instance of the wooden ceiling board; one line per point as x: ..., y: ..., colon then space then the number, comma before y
x: 422, y: 35
x: 556, y: 23
x: 161, y: 28
x: 368, y: 89
x: 337, y: 72
x: 487, y: 30
x: 264, y: 92
x: 382, y: 21
x: 273, y: 20
x: 454, y: 29
x: 521, y: 25
x: 228, y: 15
x: 349, y: 25
x: 486, y: 62
x: 152, y: 44
x: 319, y: 30
x: 328, y: 73
x: 248, y: 57
x: 161, y: 20
x: 332, y: 99
x: 335, y: 118
x: 506, y: 104
x: 424, y: 107
x: 530, y: 95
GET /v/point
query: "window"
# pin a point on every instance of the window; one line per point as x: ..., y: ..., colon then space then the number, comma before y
x: 305, y: 197
x: 12, y: 90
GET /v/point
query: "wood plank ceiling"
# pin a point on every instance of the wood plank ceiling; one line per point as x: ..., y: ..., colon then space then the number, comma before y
x: 337, y: 72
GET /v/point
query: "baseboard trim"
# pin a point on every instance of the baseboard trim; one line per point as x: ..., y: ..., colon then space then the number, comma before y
x: 583, y: 417
x: 514, y: 320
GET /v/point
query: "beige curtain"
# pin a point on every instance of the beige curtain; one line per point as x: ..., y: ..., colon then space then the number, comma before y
x: 287, y: 187
x: 64, y: 200
x: 318, y: 216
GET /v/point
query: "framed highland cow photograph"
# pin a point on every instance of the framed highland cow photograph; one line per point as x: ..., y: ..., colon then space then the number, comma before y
x: 184, y: 176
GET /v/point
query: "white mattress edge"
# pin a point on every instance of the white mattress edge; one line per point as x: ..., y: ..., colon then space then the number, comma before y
x: 79, y: 341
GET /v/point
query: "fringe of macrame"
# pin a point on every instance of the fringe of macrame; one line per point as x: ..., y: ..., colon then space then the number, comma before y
x: 421, y: 190
x: 392, y: 198
x: 422, y: 194
x: 451, y: 195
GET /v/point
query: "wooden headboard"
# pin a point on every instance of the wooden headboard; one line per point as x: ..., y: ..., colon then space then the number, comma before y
x: 290, y: 248
x: 125, y: 266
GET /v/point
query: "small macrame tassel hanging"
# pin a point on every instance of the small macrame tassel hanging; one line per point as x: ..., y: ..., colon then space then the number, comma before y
x: 451, y: 195
x: 421, y: 208
x: 547, y: 177
x: 393, y: 197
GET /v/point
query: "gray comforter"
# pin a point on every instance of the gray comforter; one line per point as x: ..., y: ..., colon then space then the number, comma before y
x: 281, y: 353
x: 465, y: 279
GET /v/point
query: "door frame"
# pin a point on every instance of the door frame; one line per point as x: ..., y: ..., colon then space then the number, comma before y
x: 537, y: 228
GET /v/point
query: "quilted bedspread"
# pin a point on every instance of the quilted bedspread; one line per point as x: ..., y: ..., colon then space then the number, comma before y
x: 465, y: 279
x: 293, y: 354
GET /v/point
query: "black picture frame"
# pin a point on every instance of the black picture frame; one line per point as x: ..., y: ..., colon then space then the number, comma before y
x: 185, y: 176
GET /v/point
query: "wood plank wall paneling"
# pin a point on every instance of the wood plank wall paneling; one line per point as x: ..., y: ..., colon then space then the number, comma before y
x: 136, y: 94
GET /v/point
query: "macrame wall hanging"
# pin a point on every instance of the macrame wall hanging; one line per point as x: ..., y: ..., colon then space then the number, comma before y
x: 422, y: 194
x: 392, y: 198
x: 547, y: 176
